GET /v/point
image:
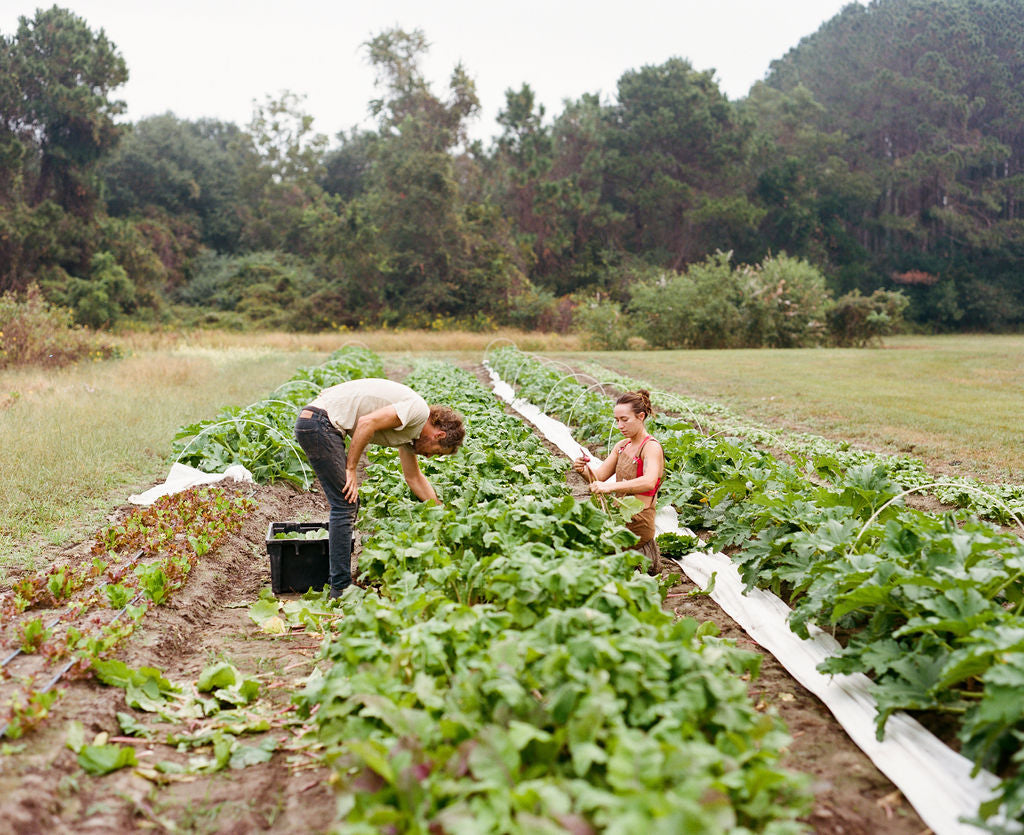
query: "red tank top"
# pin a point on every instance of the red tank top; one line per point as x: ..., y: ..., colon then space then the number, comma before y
x: 640, y: 464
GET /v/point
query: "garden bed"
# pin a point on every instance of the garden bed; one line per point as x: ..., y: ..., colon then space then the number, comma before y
x: 43, y: 786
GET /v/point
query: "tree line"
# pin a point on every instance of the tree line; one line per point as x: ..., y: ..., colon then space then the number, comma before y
x: 880, y: 156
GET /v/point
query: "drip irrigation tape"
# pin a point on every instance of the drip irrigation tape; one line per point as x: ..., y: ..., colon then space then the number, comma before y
x: 71, y: 663
x: 56, y: 620
x: 61, y: 672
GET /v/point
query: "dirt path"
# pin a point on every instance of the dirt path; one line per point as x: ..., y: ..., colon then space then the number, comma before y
x: 42, y: 788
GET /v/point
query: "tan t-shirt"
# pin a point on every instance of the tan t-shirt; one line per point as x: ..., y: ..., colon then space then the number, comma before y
x: 345, y: 403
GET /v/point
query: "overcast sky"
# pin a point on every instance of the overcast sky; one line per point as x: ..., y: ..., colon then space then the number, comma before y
x: 212, y: 58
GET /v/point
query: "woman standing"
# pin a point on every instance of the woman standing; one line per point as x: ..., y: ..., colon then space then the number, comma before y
x: 638, y: 463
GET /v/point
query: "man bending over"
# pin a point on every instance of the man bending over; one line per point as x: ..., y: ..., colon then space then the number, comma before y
x: 369, y: 411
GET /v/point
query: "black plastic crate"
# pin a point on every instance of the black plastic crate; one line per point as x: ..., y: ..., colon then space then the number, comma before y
x: 297, y: 565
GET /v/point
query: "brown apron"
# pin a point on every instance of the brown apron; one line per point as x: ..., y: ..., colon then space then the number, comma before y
x: 642, y: 524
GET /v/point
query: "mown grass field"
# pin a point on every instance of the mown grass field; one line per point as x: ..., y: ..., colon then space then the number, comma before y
x: 78, y: 441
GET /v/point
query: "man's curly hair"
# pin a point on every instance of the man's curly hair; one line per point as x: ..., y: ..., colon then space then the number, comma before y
x: 447, y: 419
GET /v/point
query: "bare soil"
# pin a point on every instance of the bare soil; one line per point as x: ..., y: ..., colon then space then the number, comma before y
x: 42, y: 788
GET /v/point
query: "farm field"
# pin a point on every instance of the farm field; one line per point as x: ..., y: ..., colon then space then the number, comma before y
x: 953, y: 401
x: 116, y: 417
x: 208, y: 621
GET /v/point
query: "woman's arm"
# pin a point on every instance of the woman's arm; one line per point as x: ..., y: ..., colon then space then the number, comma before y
x: 653, y: 457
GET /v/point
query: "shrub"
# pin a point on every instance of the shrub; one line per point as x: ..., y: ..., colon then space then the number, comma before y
x: 700, y: 308
x: 602, y: 323
x: 784, y: 303
x: 101, y: 299
x: 779, y: 303
x: 35, y: 332
x: 532, y: 310
x: 857, y: 320
x: 262, y: 287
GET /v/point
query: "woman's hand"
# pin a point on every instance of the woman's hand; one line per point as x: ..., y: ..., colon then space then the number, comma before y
x: 582, y: 466
x: 601, y: 487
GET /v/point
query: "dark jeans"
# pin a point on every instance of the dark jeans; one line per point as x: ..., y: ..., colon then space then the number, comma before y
x: 325, y: 448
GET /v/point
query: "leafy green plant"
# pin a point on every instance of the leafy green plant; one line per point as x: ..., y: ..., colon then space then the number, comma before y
x: 153, y: 581
x: 227, y: 684
x: 315, y: 533
x: 221, y: 706
x: 31, y: 634
x: 99, y: 757
x: 104, y: 759
x: 507, y: 664
x: 61, y: 584
x: 117, y: 594
x: 675, y: 545
x: 27, y: 709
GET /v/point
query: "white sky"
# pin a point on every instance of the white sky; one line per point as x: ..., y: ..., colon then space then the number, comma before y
x: 212, y: 58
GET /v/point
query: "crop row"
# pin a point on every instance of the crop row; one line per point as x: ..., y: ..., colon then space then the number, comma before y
x: 507, y: 669
x: 260, y: 436
x: 172, y: 534
x: 1003, y: 503
x: 930, y: 606
x: 170, y: 537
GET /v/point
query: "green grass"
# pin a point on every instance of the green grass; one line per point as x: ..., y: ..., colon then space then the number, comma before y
x: 953, y: 401
x: 79, y: 440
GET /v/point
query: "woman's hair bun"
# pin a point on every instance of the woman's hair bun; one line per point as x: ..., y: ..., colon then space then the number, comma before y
x: 639, y: 401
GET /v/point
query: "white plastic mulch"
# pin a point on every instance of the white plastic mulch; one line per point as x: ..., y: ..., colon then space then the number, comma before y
x: 182, y: 476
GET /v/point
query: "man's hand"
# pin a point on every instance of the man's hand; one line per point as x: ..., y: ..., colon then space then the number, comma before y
x: 421, y: 488
x: 351, y: 488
